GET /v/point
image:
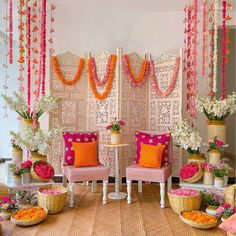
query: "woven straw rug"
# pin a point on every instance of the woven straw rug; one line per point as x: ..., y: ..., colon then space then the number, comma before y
x: 89, y: 217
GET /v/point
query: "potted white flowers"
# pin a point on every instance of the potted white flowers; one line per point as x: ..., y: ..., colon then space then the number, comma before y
x: 17, y: 152
x: 189, y: 139
x: 38, y: 143
x: 216, y: 112
x: 18, y: 104
x: 25, y: 199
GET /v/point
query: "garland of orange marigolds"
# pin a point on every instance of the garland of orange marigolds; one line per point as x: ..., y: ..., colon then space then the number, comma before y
x: 109, y: 81
x: 57, y: 70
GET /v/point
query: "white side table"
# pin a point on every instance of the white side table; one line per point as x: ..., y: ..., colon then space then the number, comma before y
x: 117, y: 195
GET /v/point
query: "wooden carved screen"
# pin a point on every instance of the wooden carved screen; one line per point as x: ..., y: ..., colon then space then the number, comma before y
x: 133, y: 110
x: 165, y: 112
x: 101, y: 113
x: 72, y: 111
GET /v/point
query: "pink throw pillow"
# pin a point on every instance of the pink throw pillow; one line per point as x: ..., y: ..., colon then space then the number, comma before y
x: 152, y: 139
x: 69, y: 155
x: 229, y: 224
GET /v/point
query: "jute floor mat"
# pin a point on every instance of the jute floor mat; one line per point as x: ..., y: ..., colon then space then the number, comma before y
x: 143, y: 217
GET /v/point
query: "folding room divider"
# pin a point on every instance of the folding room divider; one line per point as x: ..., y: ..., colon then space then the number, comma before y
x: 140, y: 107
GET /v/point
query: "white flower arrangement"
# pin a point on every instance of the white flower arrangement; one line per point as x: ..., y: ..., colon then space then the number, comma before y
x: 187, y: 138
x: 217, y: 110
x: 18, y: 104
x: 39, y: 142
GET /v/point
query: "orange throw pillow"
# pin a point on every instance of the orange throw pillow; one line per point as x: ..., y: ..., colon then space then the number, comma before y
x: 151, y: 155
x: 85, y: 154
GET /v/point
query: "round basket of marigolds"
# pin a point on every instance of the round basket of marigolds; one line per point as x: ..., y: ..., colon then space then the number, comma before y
x: 42, y: 171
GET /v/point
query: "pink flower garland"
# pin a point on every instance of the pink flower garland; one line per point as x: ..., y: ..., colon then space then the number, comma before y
x: 43, y: 45
x: 10, y: 34
x: 223, y: 92
x: 29, y: 58
x: 51, y: 50
x: 128, y: 73
x: 172, y: 81
x: 94, y: 72
x: 204, y: 41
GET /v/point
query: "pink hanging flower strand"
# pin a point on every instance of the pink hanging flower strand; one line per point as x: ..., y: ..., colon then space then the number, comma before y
x: 29, y: 59
x: 10, y: 33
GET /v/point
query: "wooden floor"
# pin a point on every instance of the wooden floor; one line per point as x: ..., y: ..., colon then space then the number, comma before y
x: 90, y: 217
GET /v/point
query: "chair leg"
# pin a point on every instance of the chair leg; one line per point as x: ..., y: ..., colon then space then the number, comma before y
x: 169, y: 183
x: 71, y: 194
x: 140, y: 186
x: 94, y: 186
x: 162, y: 194
x: 129, y: 199
x: 104, y: 197
x: 64, y: 181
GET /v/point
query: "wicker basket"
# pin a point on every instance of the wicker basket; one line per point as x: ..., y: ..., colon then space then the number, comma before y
x: 35, y: 176
x: 230, y: 234
x: 28, y: 222
x: 198, y: 225
x: 53, y: 202
x: 196, y: 177
x: 184, y: 203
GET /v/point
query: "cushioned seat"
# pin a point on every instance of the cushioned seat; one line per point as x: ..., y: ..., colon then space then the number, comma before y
x: 135, y: 172
x: 75, y: 174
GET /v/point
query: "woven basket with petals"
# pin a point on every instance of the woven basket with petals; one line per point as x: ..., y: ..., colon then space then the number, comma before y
x: 196, y: 177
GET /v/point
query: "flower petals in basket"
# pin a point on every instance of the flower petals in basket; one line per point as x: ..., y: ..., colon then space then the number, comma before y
x: 191, y: 172
x: 42, y: 171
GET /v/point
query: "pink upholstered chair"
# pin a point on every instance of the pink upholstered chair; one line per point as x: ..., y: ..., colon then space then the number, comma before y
x: 135, y: 172
x: 83, y: 174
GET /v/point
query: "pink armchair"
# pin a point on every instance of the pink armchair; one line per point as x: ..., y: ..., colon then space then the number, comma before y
x: 82, y: 174
x: 135, y: 172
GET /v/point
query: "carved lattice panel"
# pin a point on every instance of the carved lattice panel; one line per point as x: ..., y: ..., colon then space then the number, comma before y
x: 101, y: 113
x: 72, y: 111
x: 133, y: 110
x: 165, y: 112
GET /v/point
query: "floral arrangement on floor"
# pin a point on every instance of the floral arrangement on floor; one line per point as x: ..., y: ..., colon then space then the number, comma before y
x: 220, y: 170
x: 226, y: 210
x: 207, y: 166
x: 25, y: 197
x: 44, y: 170
x: 186, y: 137
x: 212, y: 198
x: 217, y: 110
x: 38, y: 142
x: 18, y: 104
x: 199, y: 217
x: 7, y: 205
x: 116, y: 125
x: 25, y: 166
x: 189, y: 170
x: 216, y: 144
x: 185, y: 192
x: 51, y: 191
x: 16, y: 170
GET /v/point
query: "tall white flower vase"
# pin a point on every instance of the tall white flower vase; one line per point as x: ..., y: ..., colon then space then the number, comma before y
x: 214, y: 156
x: 216, y: 128
x: 208, y: 177
x: 17, y: 155
x: 115, y: 137
x: 26, y: 178
x: 16, y: 180
x: 28, y: 123
x: 219, y: 182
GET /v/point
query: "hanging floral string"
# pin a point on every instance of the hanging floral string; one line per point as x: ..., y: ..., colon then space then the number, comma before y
x: 52, y: 19
x: 228, y: 18
x: 185, y: 21
x: 103, y: 81
x: 21, y: 59
x: 204, y: 38
x: 223, y: 66
x: 5, y: 65
x: 172, y: 80
x: 143, y: 75
x: 60, y: 76
x: 10, y: 34
x: 29, y: 60
x: 189, y: 56
x: 215, y: 49
x: 109, y: 82
x: 43, y: 45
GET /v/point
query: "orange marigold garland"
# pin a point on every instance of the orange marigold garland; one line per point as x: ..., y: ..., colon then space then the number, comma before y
x: 143, y: 75
x: 57, y: 70
x: 109, y: 82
